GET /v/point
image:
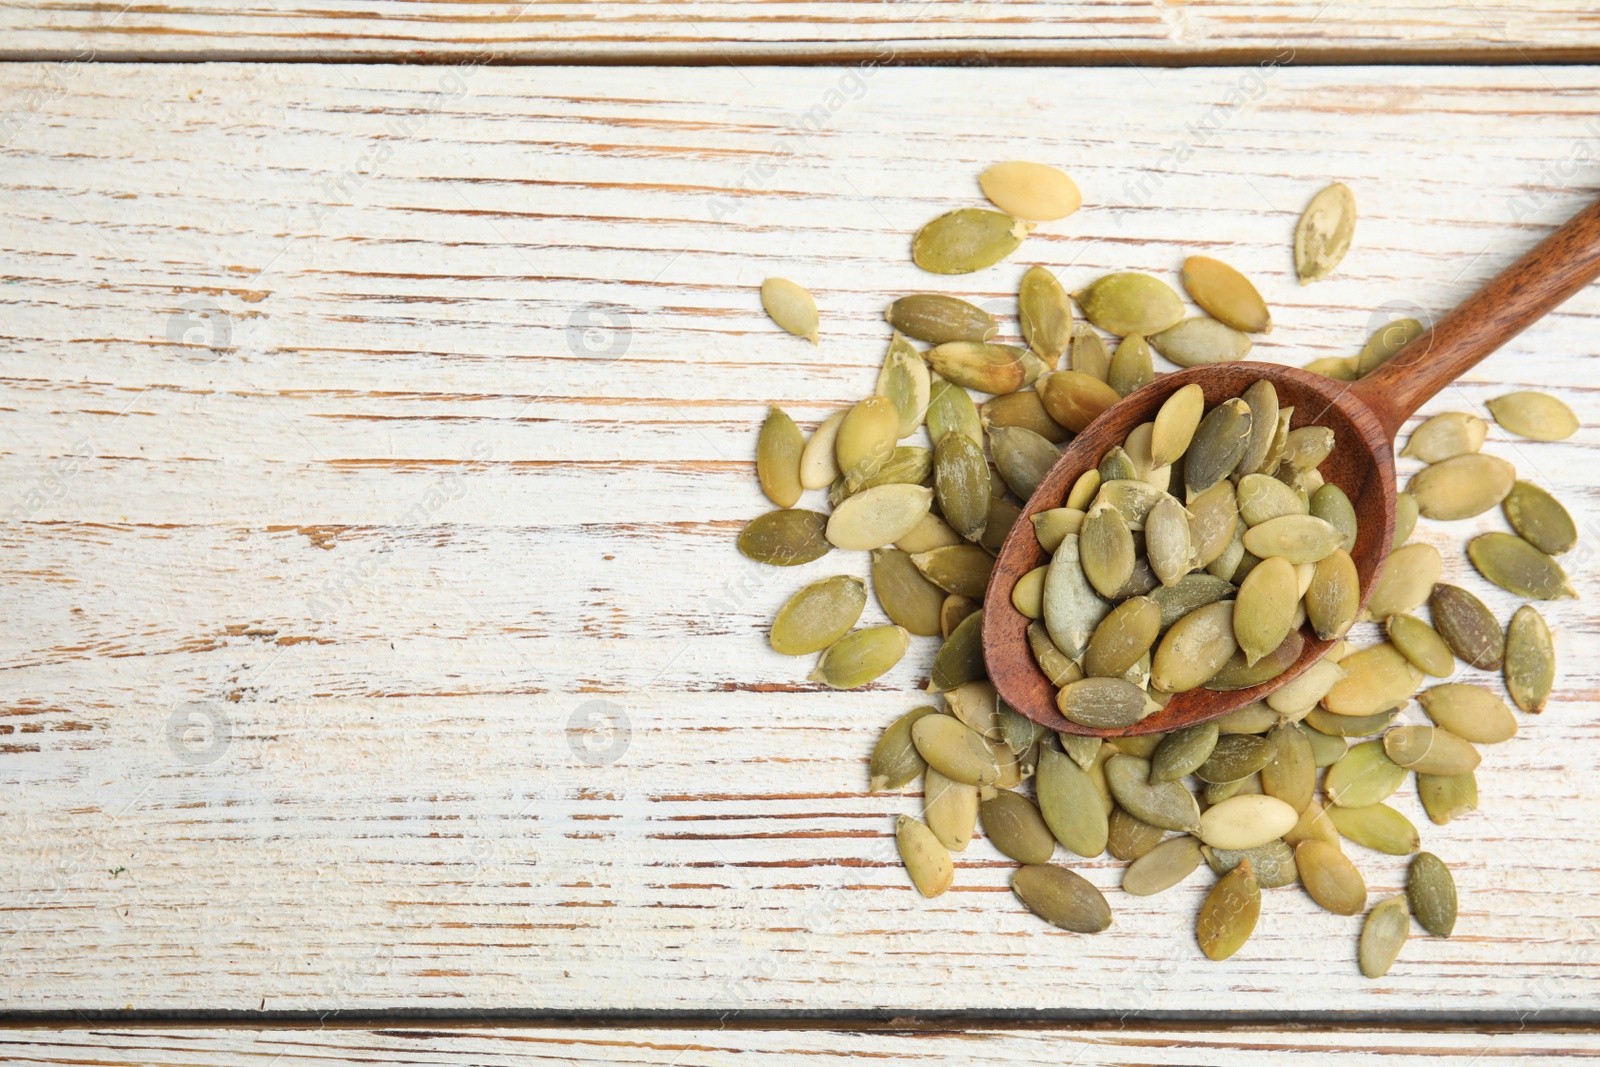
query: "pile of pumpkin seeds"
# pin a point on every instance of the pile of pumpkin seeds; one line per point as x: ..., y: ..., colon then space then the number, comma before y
x: 1147, y: 594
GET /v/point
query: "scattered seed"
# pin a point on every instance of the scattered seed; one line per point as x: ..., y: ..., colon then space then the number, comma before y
x: 1407, y: 580
x: 1468, y: 627
x: 955, y: 750
x: 926, y: 860
x: 1242, y: 822
x: 1314, y: 825
x: 1022, y: 408
x: 866, y: 439
x: 895, y: 760
x: 1431, y: 892
x: 1162, y: 867
x: 937, y: 319
x: 1198, y: 341
x: 960, y: 658
x: 904, y: 382
x: 785, y: 538
x: 1386, y: 342
x: 960, y: 569
x: 1229, y: 914
x: 1517, y: 567
x: 1322, y: 236
x: 1225, y: 294
x: 961, y: 482
x: 1074, y: 399
x: 960, y: 242
x: 1420, y: 644
x: 1405, y: 519
x: 1131, y: 368
x: 1022, y: 457
x: 1378, y: 827
x: 1330, y: 878
x: 1365, y: 775
x: 1291, y: 774
x: 956, y: 608
x: 908, y: 598
x: 1016, y: 828
x: 950, y: 810
x: 1446, y: 796
x: 1462, y: 486
x: 1470, y: 712
x: 1255, y: 718
x: 878, y: 516
x: 1430, y: 750
x: 1540, y: 519
x: 1030, y: 190
x: 950, y: 409
x: 1538, y: 416
x: 857, y: 658
x: 819, y: 465
x: 1383, y: 935
x: 1062, y: 898
x: 1530, y: 662
x: 1070, y: 804
x: 1088, y: 353
x: 1273, y: 862
x: 818, y: 615
x: 1442, y: 437
x: 981, y: 365
x: 791, y: 307
x: 1342, y: 726
x: 1377, y: 679
x: 1045, y: 314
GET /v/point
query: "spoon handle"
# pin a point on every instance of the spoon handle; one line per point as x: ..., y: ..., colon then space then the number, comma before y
x: 1530, y: 288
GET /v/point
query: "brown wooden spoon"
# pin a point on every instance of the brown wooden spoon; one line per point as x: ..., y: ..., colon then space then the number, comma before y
x: 1365, y: 416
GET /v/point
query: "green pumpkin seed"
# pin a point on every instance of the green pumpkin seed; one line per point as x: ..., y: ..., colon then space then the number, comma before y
x: 1430, y: 750
x: 1129, y: 838
x: 1175, y: 424
x: 778, y: 458
x: 1142, y: 745
x: 1322, y: 236
x: 1306, y: 448
x: 1218, y: 446
x: 1386, y: 341
x: 1365, y: 775
x: 1302, y: 693
x: 878, y: 516
x: 1330, y: 878
x: 1229, y: 914
x: 1407, y: 580
x: 1462, y: 486
x: 1262, y: 400
x: 1162, y: 867
x: 1454, y: 433
x: 1339, y: 368
x: 1517, y: 567
x: 967, y: 240
x: 1084, y: 751
x: 1182, y: 751
x: 1446, y: 796
x: 909, y: 599
x: 1383, y: 935
x: 1231, y: 561
x: 1022, y: 408
x: 1420, y: 644
x: 791, y: 307
x: 1055, y: 664
x: 1197, y: 342
x: 1280, y: 441
x: 1326, y: 749
x: 960, y: 658
x: 1133, y: 498
x: 950, y: 809
x: 1089, y: 355
x: 1217, y: 792
x: 1264, y: 612
x: 937, y: 319
x: 895, y: 760
x: 960, y: 569
x: 1234, y: 757
x: 1167, y: 541
x: 926, y: 860
x: 1273, y: 862
x: 1255, y: 718
x: 857, y: 658
x: 1327, y: 722
x: 1070, y: 804
x: 1130, y: 302
x: 956, y: 608
x: 1027, y: 596
x: 1314, y: 825
x: 981, y: 365
x: 906, y: 465
x: 1030, y: 190
x: 1074, y: 399
x: 819, y: 464
x: 1015, y: 827
x: 1022, y: 457
x: 818, y: 615
x: 1122, y: 637
x: 1530, y: 659
x: 1538, y: 416
x: 1238, y: 674
x: 950, y: 410
x: 1003, y: 515
x: 1540, y: 519
x: 1262, y: 497
x: 1192, y: 591
x: 904, y: 382
x: 1083, y: 491
x: 1072, y: 609
x: 1405, y: 519
x: 954, y: 750
x: 1332, y: 505
x: 1062, y: 898
x: 1468, y: 627
x: 866, y: 440
x: 1431, y: 892
x: 961, y: 482
x: 1194, y: 649
x: 1131, y: 368
x: 1376, y: 679
x: 1097, y: 772
x: 1378, y: 827
x: 785, y: 538
x: 1214, y: 522
x: 1052, y: 527
x: 1291, y: 774
x: 1045, y: 314
x: 1106, y: 549
x: 1469, y: 712
x: 1168, y: 805
x: 1225, y: 294
x: 1104, y: 703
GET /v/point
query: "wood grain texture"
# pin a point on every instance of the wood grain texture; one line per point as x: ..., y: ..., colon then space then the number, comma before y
x: 303, y: 634
x: 1115, y: 32
x: 716, y: 1047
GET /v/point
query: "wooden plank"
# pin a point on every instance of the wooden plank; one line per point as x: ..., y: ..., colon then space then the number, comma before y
x: 1112, y: 32
x: 304, y: 635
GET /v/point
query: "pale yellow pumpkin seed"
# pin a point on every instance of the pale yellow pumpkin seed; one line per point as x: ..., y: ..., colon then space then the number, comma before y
x: 1106, y: 549
x: 1446, y: 796
x: 1462, y: 486
x: 1055, y: 664
x: 1322, y: 236
x: 819, y: 464
x: 1074, y: 399
x: 1264, y: 612
x: 1083, y: 491
x: 1122, y: 637
x: 1538, y: 416
x: 1130, y: 302
x: 866, y: 439
x: 950, y: 409
x: 1383, y: 935
x: 981, y: 365
x: 967, y: 240
x: 1378, y: 827
x: 1196, y: 342
x: 1088, y: 353
x: 791, y: 307
x: 1167, y: 541
x: 1365, y: 775
x: 1470, y: 712
x: 1052, y: 526
x: 1384, y: 344
x: 1296, y: 538
x: 1376, y: 679
x: 878, y: 516
x: 1445, y: 436
x: 1214, y: 522
x: 1162, y: 867
x: 926, y: 860
x: 1405, y: 518
x: 1027, y: 596
x: 1194, y: 648
x: 950, y: 810
x: 1022, y: 408
x: 1314, y: 825
x: 1030, y: 190
x: 1329, y: 877
x: 1263, y: 497
x: 955, y: 750
x: 1407, y: 580
x: 1225, y: 294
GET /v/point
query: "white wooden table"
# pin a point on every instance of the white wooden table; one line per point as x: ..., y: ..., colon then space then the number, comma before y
x: 375, y: 438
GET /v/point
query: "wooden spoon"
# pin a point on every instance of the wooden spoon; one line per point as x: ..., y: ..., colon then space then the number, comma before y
x: 1365, y: 416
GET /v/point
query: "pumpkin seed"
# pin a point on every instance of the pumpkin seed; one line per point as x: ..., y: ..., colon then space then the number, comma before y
x: 1314, y: 825
x: 1405, y: 518
x: 857, y: 658
x: 1383, y: 935
x: 1167, y: 543
x: 1237, y: 674
x: 1131, y: 368
x: 1327, y: 722
x: 1530, y: 660
x: 1061, y: 898
x: 1194, y: 649
x: 1306, y: 448
x: 1122, y: 637
x: 1291, y: 774
x: 791, y: 307
x: 1089, y: 355
x: 1273, y: 862
x: 1070, y: 804
x: 1027, y: 596
x: 1517, y: 567
x: 1376, y: 679
x: 1003, y: 515
x: 1264, y: 612
x: 1182, y: 751
x: 1420, y: 644
x: 960, y: 242
x: 1538, y: 416
x: 1229, y: 914
x: 1256, y: 718
x: 878, y: 516
x: 1055, y: 664
x: 1082, y: 750
x: 1104, y: 703
x: 1469, y: 712
x: 1295, y: 699
x: 1106, y: 549
x: 1142, y: 745
x: 1198, y: 341
x: 1218, y: 445
x: 1446, y: 796
x: 1083, y: 491
x: 1013, y: 768
x: 937, y: 319
x: 819, y: 464
x: 1214, y: 522
x: 1168, y: 805
x: 785, y: 538
x: 1074, y: 399
x: 1130, y: 302
x: 1225, y: 294
x: 1442, y: 437
x: 1053, y: 526
x: 1431, y: 892
x: 778, y: 458
x: 960, y: 658
x: 926, y: 860
x: 1019, y: 732
x: 1329, y: 877
x: 930, y: 533
x: 895, y: 760
x: 961, y: 482
x: 904, y: 382
x: 866, y: 440
x: 1364, y: 775
x: 1072, y: 609
x: 1030, y: 190
x: 1262, y: 497
x: 1234, y: 757
x: 1192, y: 591
x: 981, y: 365
x: 1430, y: 750
x: 1406, y: 581
x: 1022, y: 457
x: 1468, y: 627
x: 1022, y: 408
x: 1540, y: 519
x: 1339, y: 368
x: 1015, y: 827
x: 950, y: 410
x: 1045, y: 314
x: 1332, y: 505
x: 955, y: 750
x: 908, y: 598
x: 1162, y: 867
x: 950, y: 809
x: 1175, y: 424
x: 959, y: 569
x: 1462, y: 486
x: 1129, y: 838
x: 1378, y: 827
x: 1384, y: 344
x: 1280, y: 441
x: 1326, y: 749
x: 1322, y: 236
x: 818, y: 615
x: 1133, y: 498
x: 906, y: 465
